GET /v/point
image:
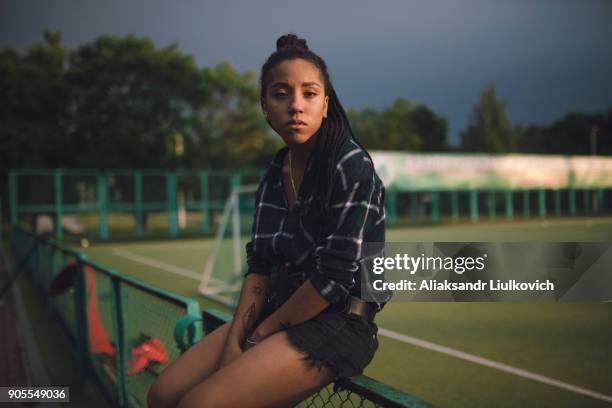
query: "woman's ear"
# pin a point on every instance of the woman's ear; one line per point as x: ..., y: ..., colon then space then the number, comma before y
x: 326, y: 105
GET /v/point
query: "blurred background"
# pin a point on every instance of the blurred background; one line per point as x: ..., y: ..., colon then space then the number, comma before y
x: 132, y: 134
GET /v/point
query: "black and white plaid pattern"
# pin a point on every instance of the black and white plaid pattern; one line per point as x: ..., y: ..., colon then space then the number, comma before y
x: 330, y: 252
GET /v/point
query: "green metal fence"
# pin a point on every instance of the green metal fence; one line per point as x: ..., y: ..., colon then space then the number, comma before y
x: 138, y: 203
x: 108, y: 316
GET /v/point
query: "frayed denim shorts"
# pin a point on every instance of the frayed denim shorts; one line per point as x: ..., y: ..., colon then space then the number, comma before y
x: 345, y: 343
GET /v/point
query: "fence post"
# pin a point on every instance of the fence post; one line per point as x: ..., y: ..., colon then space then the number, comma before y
x: 121, y: 356
x: 57, y: 182
x: 586, y: 199
x: 138, y: 203
x: 80, y: 315
x: 204, y: 203
x: 542, y: 202
x: 171, y: 200
x: 474, y: 205
x: 509, y: 205
x: 103, y: 206
x: 572, y: 201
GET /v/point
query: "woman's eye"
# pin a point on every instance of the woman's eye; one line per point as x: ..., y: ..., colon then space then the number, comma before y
x: 310, y: 94
x: 280, y: 94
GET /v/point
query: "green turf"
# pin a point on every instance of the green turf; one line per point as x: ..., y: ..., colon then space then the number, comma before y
x: 570, y: 342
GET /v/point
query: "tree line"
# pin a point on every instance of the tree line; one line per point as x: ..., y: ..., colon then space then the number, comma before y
x: 120, y: 102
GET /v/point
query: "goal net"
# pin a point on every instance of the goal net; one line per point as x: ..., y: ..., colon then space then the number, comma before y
x: 226, y: 264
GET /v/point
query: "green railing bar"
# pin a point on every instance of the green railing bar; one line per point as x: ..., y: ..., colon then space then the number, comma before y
x: 57, y: 183
x: 474, y: 205
x: 171, y: 197
x: 392, y: 207
x: 103, y: 206
x: 572, y: 201
x: 383, y: 394
x: 542, y: 202
x: 121, y: 355
x: 138, y: 203
x: 203, y: 203
x: 509, y: 205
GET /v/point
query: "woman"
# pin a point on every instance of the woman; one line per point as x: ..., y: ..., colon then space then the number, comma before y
x: 300, y: 323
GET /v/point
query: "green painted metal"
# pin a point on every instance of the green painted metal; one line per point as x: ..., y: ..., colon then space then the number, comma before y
x: 121, y: 357
x: 435, y: 207
x: 557, y: 202
x: 455, y: 205
x: 509, y: 204
x: 71, y: 308
x: 80, y: 316
x: 600, y: 199
x: 103, y: 229
x: 57, y: 183
x: 171, y: 197
x: 207, y: 226
x: 526, y: 203
x: 138, y: 201
x: 542, y: 203
x: 572, y: 201
x: 474, y: 205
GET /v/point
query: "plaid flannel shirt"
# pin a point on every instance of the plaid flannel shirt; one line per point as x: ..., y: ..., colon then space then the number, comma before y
x: 331, y: 253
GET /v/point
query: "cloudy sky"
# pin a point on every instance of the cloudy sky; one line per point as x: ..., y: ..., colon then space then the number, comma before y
x: 545, y: 58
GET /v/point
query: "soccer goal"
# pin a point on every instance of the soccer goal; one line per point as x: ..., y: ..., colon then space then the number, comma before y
x: 225, y: 266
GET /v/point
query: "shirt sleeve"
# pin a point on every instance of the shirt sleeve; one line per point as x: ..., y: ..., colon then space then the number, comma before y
x: 356, y: 206
x: 256, y: 261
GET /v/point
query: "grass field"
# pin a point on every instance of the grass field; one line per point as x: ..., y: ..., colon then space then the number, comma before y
x: 451, y: 354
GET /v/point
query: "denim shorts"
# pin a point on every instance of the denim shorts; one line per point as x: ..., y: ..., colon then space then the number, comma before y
x: 345, y: 343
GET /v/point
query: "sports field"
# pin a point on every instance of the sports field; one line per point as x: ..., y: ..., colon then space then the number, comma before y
x: 451, y: 354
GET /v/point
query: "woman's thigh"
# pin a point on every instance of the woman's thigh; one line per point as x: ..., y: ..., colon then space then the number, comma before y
x: 271, y: 374
x: 190, y: 369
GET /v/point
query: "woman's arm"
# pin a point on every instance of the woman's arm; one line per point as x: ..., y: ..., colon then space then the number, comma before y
x: 252, y: 297
x: 305, y: 303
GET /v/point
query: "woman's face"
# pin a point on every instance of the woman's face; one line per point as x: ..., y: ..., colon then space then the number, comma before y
x: 294, y: 100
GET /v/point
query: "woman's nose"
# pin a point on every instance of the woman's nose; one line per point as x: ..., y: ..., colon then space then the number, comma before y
x: 297, y: 104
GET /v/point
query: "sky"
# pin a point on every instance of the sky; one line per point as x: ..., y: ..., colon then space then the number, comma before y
x: 545, y: 58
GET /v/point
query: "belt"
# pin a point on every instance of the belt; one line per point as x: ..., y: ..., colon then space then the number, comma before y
x: 358, y: 307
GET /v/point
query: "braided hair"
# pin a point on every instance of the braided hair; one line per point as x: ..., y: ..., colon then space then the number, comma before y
x: 335, y: 130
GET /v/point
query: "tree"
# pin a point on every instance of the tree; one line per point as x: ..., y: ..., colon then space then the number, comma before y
x: 489, y: 130
x: 399, y: 127
x: 431, y: 128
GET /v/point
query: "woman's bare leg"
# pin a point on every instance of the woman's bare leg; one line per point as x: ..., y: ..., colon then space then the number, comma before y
x: 190, y: 369
x: 271, y: 374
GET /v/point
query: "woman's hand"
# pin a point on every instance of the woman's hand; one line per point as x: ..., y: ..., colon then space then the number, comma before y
x: 231, y: 352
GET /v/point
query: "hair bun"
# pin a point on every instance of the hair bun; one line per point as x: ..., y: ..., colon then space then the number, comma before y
x: 288, y: 41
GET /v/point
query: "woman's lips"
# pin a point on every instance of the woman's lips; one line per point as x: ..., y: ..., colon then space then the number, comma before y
x: 296, y: 124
